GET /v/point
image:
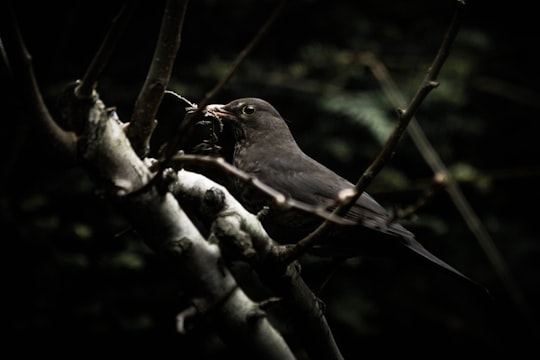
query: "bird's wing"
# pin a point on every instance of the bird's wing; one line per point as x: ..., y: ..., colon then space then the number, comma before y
x: 371, y: 214
x: 318, y: 185
x: 315, y: 188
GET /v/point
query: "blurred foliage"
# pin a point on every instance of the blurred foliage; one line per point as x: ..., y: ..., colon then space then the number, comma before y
x: 75, y: 270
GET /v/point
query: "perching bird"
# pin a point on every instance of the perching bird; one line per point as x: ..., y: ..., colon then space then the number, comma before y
x: 263, y: 146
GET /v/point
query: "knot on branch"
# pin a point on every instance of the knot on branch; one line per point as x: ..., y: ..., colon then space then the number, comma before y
x: 213, y: 201
x: 169, y: 178
x: 255, y: 315
x: 186, y: 319
x: 74, y: 109
x: 178, y: 247
x: 234, y: 241
x: 262, y: 213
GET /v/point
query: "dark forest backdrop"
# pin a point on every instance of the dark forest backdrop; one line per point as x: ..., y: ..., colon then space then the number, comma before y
x: 68, y: 271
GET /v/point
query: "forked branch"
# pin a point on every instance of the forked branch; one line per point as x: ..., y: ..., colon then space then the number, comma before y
x: 182, y: 132
x: 277, y: 197
x: 144, y: 113
x: 349, y: 198
x: 88, y: 83
x: 20, y: 59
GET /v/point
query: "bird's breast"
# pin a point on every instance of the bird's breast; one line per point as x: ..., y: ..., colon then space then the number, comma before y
x: 249, y: 158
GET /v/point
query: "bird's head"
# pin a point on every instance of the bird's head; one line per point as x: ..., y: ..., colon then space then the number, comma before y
x: 249, y: 118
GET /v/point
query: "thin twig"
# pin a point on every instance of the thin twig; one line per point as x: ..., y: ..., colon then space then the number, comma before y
x: 88, y: 83
x: 5, y: 60
x: 277, y: 197
x: 62, y: 141
x: 438, y: 182
x: 143, y: 119
x: 386, y: 153
x: 192, y: 105
x: 468, y: 214
x: 182, y: 131
x: 243, y: 54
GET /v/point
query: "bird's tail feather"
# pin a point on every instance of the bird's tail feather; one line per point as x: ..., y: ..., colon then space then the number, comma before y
x: 416, y: 247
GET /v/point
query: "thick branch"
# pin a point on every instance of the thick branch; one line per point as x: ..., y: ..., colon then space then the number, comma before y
x: 143, y: 119
x: 241, y: 232
x: 165, y: 227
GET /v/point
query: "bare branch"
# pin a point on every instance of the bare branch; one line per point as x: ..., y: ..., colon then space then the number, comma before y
x: 182, y: 131
x: 277, y: 197
x: 5, y: 60
x: 234, y: 225
x: 386, y: 153
x: 89, y: 81
x: 436, y: 164
x: 406, y: 115
x: 143, y: 119
x: 64, y: 142
x: 157, y: 216
x: 438, y: 182
x: 243, y: 54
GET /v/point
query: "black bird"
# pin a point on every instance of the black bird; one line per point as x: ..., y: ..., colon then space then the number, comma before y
x: 263, y: 146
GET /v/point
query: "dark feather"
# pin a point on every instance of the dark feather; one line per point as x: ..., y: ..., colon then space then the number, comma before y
x: 265, y: 148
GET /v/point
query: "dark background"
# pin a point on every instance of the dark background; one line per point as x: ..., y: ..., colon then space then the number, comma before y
x: 73, y: 275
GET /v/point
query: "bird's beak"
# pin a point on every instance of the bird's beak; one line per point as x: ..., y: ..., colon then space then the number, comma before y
x: 217, y: 110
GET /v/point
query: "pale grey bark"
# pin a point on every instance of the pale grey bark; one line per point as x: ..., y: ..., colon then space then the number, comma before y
x: 158, y: 217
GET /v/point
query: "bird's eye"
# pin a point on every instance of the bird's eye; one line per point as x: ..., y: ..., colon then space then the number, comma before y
x: 248, y: 109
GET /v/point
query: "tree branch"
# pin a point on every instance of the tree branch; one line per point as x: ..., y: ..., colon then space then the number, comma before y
x: 243, y: 54
x: 63, y: 142
x: 240, y: 232
x: 182, y: 131
x: 157, y: 216
x: 89, y: 81
x: 451, y: 185
x: 142, y: 122
x: 277, y: 197
x: 349, y: 196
